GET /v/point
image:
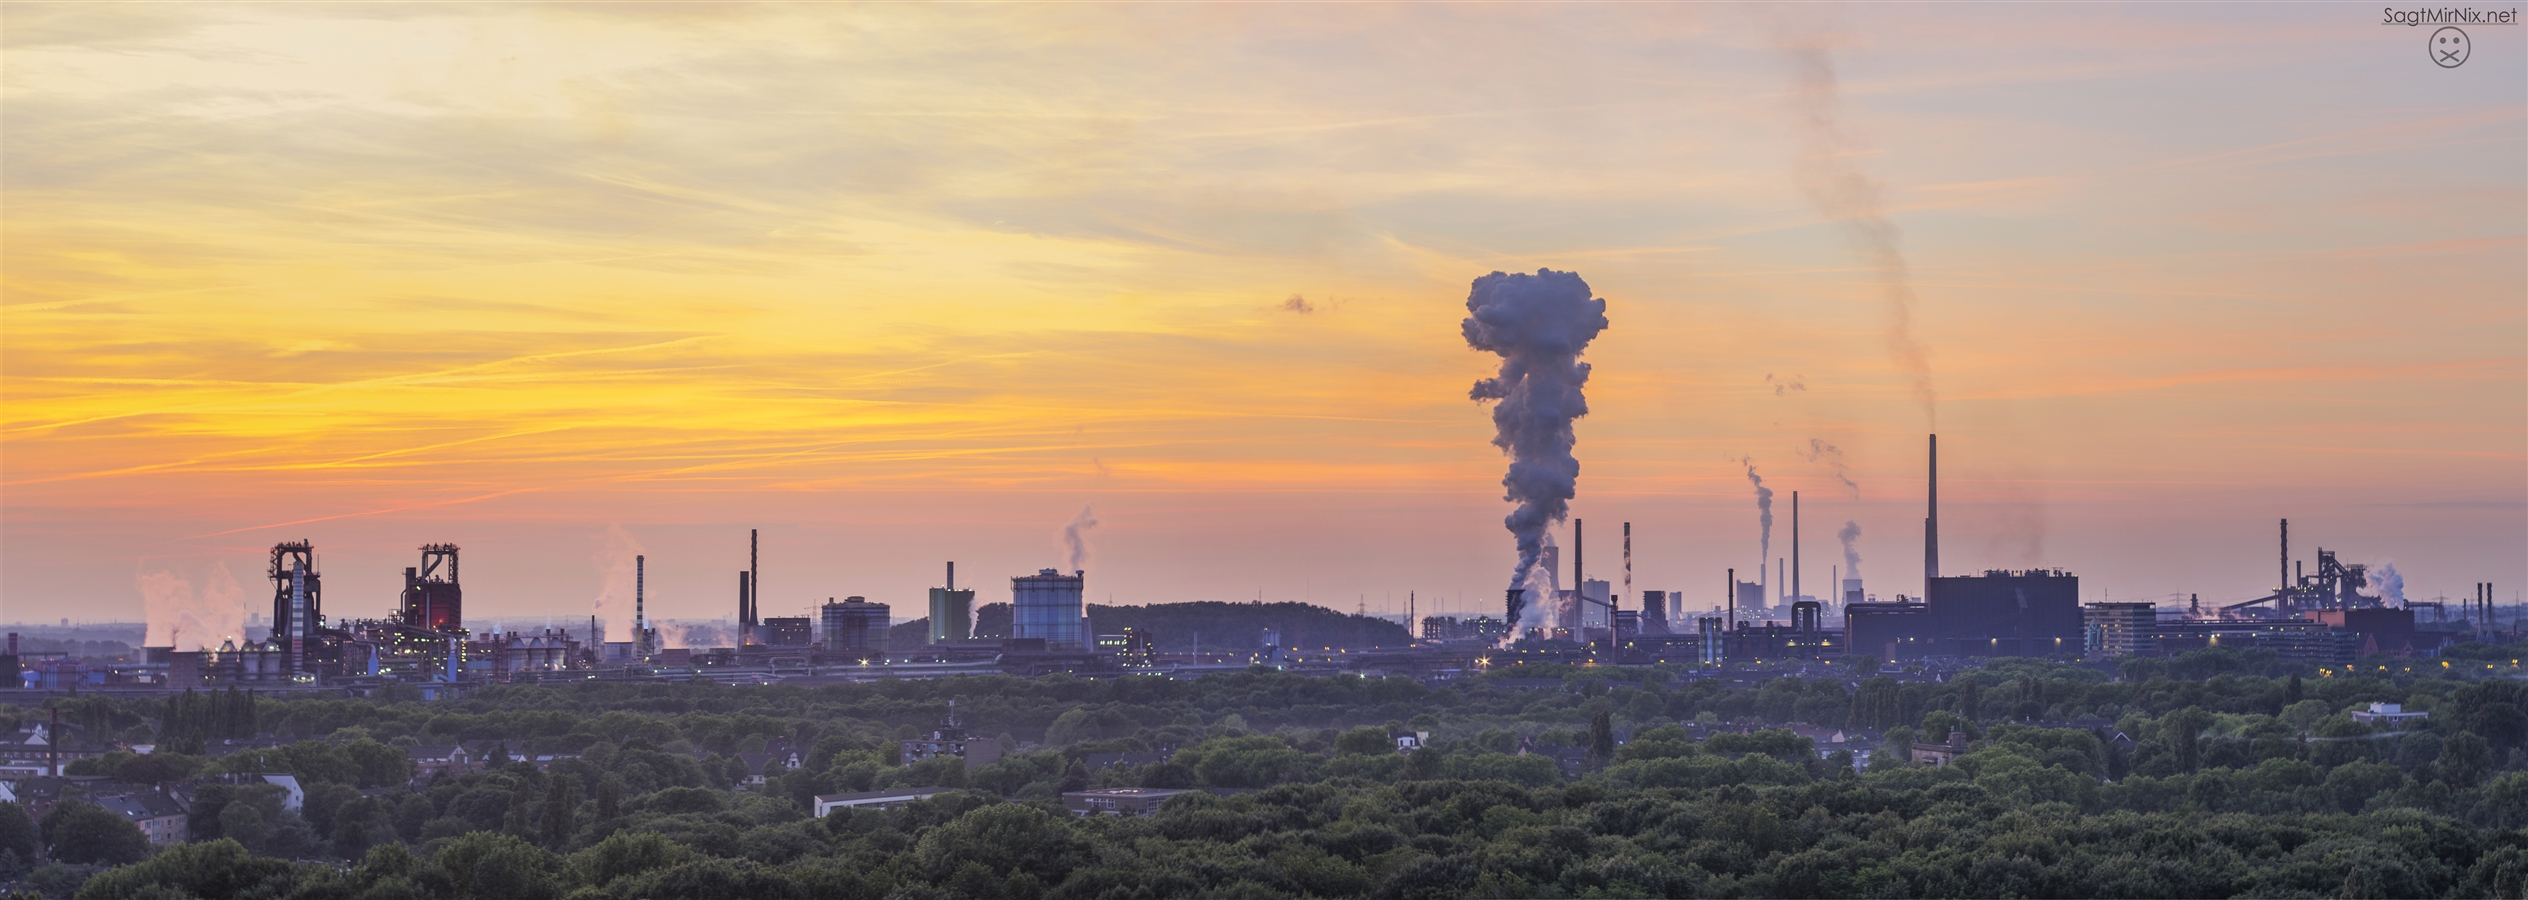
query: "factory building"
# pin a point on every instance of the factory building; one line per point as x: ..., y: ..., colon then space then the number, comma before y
x: 433, y: 599
x: 2120, y: 629
x: 2035, y: 612
x: 855, y: 629
x: 1046, y: 606
x: 786, y: 631
x: 951, y: 611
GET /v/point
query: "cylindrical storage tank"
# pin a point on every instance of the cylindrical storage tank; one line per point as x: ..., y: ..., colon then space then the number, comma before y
x: 1047, y: 605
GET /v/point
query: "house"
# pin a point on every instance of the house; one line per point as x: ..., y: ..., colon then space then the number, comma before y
x: 1096, y: 761
x: 1409, y: 741
x: 2392, y: 715
x: 789, y: 754
x: 890, y: 799
x: 293, y: 797
x: 950, y: 740
x: 1941, y: 754
x: 157, y: 815
x: 1118, y: 801
x: 29, y: 750
x: 449, y: 759
x: 758, y: 765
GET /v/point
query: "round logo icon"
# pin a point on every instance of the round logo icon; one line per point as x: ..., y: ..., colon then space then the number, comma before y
x: 2449, y: 47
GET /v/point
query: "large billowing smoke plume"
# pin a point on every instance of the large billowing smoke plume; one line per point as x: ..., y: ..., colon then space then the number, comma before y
x: 1848, y: 534
x: 1764, y: 514
x: 614, y: 594
x: 1075, y: 538
x: 1539, y: 324
x: 2389, y: 582
x: 1841, y: 192
x: 187, y: 618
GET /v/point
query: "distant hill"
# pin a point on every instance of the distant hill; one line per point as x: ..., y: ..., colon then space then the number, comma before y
x: 1224, y: 627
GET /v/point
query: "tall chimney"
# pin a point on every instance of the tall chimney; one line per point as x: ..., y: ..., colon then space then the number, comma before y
x: 640, y: 592
x: 755, y: 584
x: 1732, y: 621
x: 1931, y: 523
x: 2286, y: 553
x: 1795, y: 594
x: 1579, y: 555
x: 952, y: 574
x: 1628, y: 574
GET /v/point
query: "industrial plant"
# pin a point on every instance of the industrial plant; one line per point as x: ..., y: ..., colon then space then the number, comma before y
x: 2329, y: 616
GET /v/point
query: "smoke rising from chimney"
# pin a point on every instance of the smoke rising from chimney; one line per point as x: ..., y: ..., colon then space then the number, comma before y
x: 616, y: 554
x: 1075, y: 538
x: 1764, y: 513
x: 1539, y: 324
x: 1850, y: 532
x: 1841, y: 192
x: 1829, y: 456
x: 2389, y: 582
x: 186, y: 618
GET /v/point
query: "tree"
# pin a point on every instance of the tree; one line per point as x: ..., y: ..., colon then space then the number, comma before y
x: 80, y: 832
x: 1601, y: 738
x: 489, y: 864
x: 1364, y: 741
x: 18, y: 833
x: 557, y: 814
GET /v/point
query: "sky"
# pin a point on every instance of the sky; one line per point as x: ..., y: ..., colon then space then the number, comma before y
x: 896, y: 285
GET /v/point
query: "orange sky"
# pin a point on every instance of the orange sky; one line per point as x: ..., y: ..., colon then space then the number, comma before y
x: 902, y: 284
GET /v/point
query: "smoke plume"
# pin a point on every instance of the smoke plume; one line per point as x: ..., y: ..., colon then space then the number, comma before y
x: 1075, y: 538
x: 1794, y: 383
x: 615, y: 554
x: 1841, y: 192
x: 1829, y: 456
x: 186, y: 618
x: 1850, y: 532
x: 2389, y: 582
x: 1539, y: 324
x: 1764, y: 515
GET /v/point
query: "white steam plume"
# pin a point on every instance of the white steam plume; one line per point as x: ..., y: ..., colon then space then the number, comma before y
x: 616, y: 555
x: 1841, y: 192
x: 1849, y: 533
x: 1539, y: 324
x: 2389, y: 582
x: 186, y: 618
x: 1075, y: 538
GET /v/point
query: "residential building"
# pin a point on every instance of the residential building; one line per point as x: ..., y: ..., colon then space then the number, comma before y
x: 1941, y: 754
x: 2392, y: 715
x: 826, y: 804
x: 157, y: 815
x: 1118, y: 801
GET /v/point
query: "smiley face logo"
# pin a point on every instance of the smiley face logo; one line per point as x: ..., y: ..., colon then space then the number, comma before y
x: 2449, y: 48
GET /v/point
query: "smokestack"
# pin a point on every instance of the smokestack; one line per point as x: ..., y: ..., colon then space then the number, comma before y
x: 1628, y: 575
x: 745, y: 615
x: 2286, y: 553
x: 1931, y: 523
x: 1795, y: 594
x: 1732, y: 621
x: 952, y: 574
x: 1579, y: 560
x: 755, y: 585
x: 640, y: 582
